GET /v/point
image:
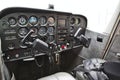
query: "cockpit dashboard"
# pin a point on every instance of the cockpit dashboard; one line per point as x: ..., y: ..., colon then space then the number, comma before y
x: 52, y: 27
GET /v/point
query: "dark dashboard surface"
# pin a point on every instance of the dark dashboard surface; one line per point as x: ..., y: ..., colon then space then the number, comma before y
x: 48, y: 26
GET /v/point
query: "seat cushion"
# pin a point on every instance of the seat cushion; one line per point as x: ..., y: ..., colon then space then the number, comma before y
x: 112, y: 69
x: 59, y: 76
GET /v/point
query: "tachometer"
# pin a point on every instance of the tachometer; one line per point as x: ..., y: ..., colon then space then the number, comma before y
x: 42, y: 31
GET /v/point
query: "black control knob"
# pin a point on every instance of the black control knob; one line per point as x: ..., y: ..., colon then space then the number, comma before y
x: 84, y: 40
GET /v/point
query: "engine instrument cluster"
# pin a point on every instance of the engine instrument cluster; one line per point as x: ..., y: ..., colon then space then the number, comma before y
x: 48, y: 26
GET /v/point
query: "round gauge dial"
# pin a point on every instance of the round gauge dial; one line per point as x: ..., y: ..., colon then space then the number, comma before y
x: 51, y: 20
x: 50, y: 30
x: 71, y: 29
x: 11, y: 46
x: 42, y: 31
x: 22, y: 32
x: 43, y: 20
x: 12, y: 21
x: 72, y: 21
x: 22, y: 20
x: 33, y: 20
x: 78, y: 21
x: 50, y: 39
x: 35, y: 32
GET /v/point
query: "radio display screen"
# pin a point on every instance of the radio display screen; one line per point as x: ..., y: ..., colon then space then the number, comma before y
x: 61, y: 23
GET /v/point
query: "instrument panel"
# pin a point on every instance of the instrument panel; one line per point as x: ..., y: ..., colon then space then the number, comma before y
x: 48, y: 26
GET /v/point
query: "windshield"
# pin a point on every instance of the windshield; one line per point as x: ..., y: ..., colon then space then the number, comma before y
x: 98, y: 12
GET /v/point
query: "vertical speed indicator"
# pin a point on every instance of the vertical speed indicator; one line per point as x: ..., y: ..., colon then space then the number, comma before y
x: 42, y: 31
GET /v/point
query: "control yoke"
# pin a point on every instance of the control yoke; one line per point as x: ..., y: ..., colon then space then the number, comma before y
x: 40, y: 45
x: 27, y: 36
x: 83, y: 39
x: 37, y: 44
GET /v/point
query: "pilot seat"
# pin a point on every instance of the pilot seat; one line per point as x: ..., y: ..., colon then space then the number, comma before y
x: 59, y: 76
x: 112, y: 69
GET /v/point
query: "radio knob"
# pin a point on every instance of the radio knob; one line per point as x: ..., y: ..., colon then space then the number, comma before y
x: 17, y: 55
x: 8, y: 57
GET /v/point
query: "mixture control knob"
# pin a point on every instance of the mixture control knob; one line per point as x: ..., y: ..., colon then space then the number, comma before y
x: 63, y: 46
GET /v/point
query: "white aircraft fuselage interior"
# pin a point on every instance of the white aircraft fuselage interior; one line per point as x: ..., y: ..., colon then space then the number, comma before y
x: 60, y: 40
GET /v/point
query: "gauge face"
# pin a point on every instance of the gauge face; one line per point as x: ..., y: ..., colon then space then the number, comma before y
x: 51, y: 20
x: 42, y: 31
x: 35, y: 32
x: 72, y: 21
x: 43, y: 20
x: 71, y: 29
x: 50, y: 39
x: 12, y: 21
x: 11, y: 46
x: 50, y: 30
x: 78, y: 21
x: 33, y: 20
x: 22, y: 32
x: 22, y: 20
